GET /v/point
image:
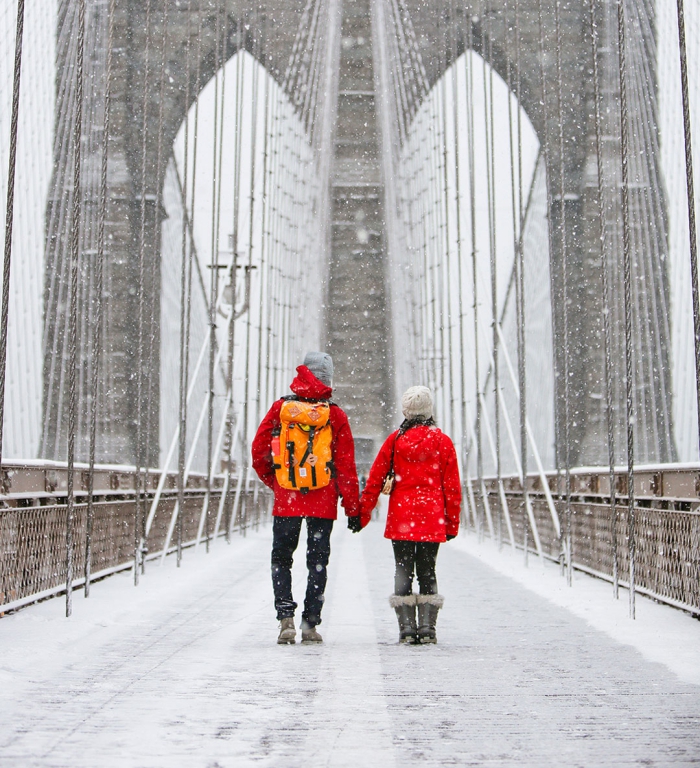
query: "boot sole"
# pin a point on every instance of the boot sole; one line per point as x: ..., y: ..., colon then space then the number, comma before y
x: 311, y: 642
x: 286, y: 641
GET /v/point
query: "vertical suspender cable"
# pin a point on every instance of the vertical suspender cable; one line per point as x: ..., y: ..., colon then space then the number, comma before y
x: 182, y: 436
x: 9, y: 214
x: 73, y: 307
x: 469, y: 77
x: 690, y: 185
x: 249, y: 267
x: 192, y: 257
x: 565, y: 298
x: 550, y: 234
x: 269, y: 232
x: 627, y: 278
x: 607, y: 339
x: 432, y: 244
x: 214, y: 259
x: 518, y: 269
x: 520, y: 256
x: 153, y: 335
x: 56, y: 333
x: 462, y: 421
x: 240, y: 62
x: 491, y: 182
x: 445, y: 251
x: 140, y: 458
x: 516, y: 212
x: 99, y: 305
x: 264, y: 284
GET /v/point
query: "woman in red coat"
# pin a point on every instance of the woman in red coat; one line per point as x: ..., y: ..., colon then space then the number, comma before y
x: 424, y: 506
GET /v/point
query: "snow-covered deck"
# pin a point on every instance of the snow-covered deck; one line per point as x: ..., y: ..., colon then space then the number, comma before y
x: 184, y: 670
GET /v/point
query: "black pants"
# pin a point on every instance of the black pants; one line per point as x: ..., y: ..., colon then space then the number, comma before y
x: 285, y: 538
x: 418, y: 556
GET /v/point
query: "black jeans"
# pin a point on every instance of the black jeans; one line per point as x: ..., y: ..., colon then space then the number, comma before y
x: 285, y: 538
x: 418, y: 556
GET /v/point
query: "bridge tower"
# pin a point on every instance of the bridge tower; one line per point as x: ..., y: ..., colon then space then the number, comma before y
x: 358, y: 320
x: 358, y: 327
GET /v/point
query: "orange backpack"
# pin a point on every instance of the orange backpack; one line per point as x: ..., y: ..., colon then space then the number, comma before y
x: 301, y: 446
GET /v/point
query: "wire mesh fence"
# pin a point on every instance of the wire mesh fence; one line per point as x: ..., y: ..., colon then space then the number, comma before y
x: 666, y: 530
x: 33, y: 535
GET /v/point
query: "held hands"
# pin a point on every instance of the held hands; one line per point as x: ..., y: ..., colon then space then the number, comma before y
x: 354, y: 523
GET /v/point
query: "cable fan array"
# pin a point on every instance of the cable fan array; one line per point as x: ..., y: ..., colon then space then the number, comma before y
x: 482, y: 228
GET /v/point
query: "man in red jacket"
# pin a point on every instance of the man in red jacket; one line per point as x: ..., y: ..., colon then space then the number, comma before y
x: 319, y: 507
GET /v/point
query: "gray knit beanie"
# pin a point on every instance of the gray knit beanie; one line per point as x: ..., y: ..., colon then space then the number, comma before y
x: 417, y: 403
x: 321, y: 365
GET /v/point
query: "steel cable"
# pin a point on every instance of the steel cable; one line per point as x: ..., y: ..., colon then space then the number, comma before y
x: 184, y: 292
x: 140, y: 459
x: 73, y: 307
x: 565, y: 298
x: 690, y: 187
x: 153, y: 375
x: 99, y: 305
x: 9, y: 214
x: 605, y: 267
x: 214, y: 259
x: 627, y: 276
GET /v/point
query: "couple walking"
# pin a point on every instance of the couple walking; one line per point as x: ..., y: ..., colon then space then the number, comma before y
x: 304, y: 451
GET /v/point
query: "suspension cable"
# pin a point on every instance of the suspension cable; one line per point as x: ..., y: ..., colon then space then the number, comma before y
x: 608, y: 383
x: 491, y: 183
x: 99, y: 304
x: 690, y: 187
x: 184, y: 292
x: 73, y: 307
x: 565, y: 297
x: 627, y: 276
x: 9, y: 214
x: 153, y: 375
x: 461, y: 423
x: 139, y: 457
x: 214, y: 258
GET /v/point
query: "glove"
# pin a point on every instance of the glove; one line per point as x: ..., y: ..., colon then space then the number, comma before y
x: 451, y: 536
x: 354, y: 523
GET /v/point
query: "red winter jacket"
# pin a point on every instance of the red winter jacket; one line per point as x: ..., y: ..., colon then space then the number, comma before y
x: 321, y: 502
x: 425, y: 502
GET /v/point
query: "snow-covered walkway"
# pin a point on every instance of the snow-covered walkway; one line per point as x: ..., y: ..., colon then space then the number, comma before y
x: 184, y: 671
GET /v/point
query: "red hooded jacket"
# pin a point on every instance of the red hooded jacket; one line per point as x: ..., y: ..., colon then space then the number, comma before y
x: 322, y: 502
x: 425, y: 501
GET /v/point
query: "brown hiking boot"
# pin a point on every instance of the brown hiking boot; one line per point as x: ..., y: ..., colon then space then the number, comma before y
x: 309, y: 634
x: 288, y: 632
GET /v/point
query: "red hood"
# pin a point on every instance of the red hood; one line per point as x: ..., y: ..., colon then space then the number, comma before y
x: 307, y: 385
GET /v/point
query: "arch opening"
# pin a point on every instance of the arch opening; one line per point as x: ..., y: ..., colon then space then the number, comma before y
x: 249, y: 216
x: 472, y: 186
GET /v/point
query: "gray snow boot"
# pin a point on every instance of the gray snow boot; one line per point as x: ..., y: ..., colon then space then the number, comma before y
x: 288, y: 632
x: 428, y: 607
x: 405, y: 607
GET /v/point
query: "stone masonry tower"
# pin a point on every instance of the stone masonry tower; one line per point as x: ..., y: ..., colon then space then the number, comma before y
x: 147, y: 111
x: 357, y: 317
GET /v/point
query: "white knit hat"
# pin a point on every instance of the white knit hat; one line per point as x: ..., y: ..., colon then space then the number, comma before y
x: 417, y: 402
